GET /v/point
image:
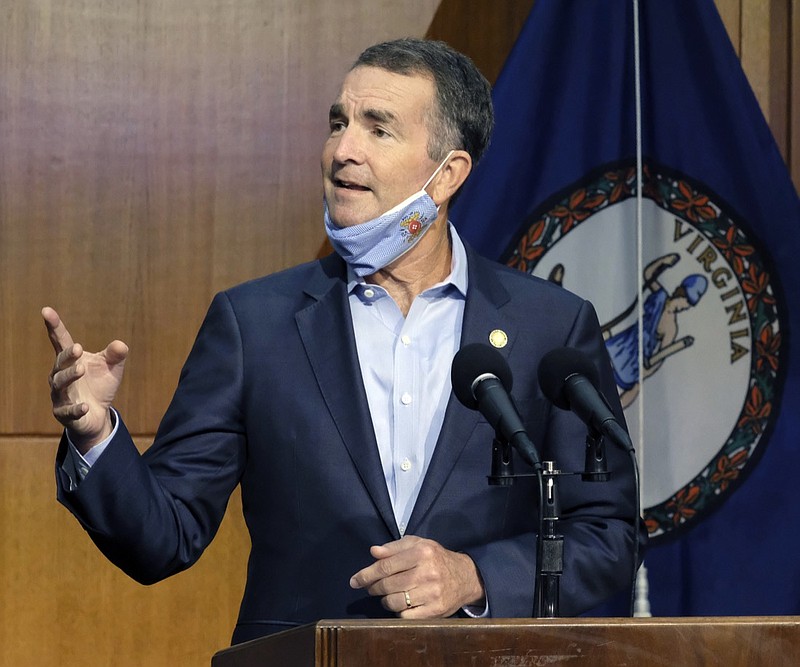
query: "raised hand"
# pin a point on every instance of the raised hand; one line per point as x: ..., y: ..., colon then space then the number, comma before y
x: 83, y: 384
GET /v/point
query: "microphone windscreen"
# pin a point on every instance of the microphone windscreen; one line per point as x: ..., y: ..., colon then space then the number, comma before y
x: 472, y: 361
x: 558, y: 365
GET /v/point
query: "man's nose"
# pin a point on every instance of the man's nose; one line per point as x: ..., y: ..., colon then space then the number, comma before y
x: 350, y: 146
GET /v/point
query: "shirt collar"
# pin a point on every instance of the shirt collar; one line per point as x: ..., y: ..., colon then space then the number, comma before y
x: 458, y: 267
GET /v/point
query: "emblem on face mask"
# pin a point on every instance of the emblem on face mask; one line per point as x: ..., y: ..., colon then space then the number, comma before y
x: 412, y: 226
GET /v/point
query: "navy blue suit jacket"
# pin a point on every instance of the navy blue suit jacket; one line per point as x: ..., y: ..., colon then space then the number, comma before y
x: 271, y: 398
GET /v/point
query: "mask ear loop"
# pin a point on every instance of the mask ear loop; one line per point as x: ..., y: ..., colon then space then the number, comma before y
x: 436, y: 171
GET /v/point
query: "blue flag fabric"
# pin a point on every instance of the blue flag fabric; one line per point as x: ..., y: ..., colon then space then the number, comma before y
x: 721, y: 281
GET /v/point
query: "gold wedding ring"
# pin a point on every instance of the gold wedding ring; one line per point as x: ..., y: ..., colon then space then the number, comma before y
x: 408, y: 600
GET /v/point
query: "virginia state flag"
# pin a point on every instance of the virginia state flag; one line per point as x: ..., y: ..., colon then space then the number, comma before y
x: 703, y: 276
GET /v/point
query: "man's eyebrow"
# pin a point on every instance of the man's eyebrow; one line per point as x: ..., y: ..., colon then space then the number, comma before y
x: 375, y: 115
x: 336, y: 111
x: 380, y: 115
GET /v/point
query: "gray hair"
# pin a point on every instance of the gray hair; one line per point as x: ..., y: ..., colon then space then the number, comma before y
x: 464, y: 116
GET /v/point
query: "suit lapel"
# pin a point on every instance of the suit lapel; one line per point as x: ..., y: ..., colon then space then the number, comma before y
x: 483, y: 314
x: 326, y: 329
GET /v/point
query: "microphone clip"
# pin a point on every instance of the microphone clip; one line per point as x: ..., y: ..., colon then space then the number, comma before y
x: 595, y: 467
x: 502, y: 463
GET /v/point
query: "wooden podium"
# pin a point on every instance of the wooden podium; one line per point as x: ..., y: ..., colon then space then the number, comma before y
x: 769, y: 641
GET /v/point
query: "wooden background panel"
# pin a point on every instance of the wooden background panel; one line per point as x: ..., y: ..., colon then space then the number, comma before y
x: 484, y: 30
x: 764, y: 52
x: 766, y: 36
x: 154, y: 153
x: 731, y: 13
x: 64, y: 604
x: 794, y: 91
x: 151, y: 155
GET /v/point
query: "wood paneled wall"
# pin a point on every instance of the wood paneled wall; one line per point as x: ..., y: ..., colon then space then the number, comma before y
x: 152, y: 153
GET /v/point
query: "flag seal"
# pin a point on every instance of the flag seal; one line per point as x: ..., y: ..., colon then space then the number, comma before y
x: 714, y: 346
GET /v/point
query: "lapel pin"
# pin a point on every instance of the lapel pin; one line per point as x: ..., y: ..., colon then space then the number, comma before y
x: 498, y: 338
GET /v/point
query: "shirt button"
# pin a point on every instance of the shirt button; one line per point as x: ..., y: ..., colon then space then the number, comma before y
x: 369, y: 293
x: 406, y: 340
x: 405, y: 399
x: 405, y: 465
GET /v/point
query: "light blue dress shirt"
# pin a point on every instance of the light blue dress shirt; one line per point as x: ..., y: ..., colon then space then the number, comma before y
x: 405, y: 364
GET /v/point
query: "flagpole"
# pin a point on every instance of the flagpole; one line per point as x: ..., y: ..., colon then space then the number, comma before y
x: 641, y: 603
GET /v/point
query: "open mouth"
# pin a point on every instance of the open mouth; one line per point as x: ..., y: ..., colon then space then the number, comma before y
x: 347, y: 185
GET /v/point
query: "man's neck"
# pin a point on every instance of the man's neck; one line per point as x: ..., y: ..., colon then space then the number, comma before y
x: 425, y: 265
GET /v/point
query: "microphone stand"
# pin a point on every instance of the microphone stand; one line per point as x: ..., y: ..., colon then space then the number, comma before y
x: 549, y: 542
x: 552, y: 547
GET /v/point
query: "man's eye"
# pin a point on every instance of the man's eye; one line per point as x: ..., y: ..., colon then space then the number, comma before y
x: 380, y: 132
x: 337, y: 125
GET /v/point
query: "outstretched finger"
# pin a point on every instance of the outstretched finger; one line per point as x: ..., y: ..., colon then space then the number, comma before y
x: 60, y: 338
x: 62, y: 379
x: 67, y: 357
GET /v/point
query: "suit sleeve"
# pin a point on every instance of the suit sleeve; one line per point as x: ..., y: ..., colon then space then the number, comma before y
x: 153, y: 515
x: 597, y: 518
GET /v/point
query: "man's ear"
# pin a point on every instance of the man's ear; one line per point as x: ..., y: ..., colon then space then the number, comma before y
x: 451, y: 177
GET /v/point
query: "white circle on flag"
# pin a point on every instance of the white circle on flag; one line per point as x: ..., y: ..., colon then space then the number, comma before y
x: 712, y: 339
x: 697, y: 394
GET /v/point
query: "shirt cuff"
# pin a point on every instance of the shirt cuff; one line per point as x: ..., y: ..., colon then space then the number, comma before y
x: 77, y: 465
x: 476, y: 612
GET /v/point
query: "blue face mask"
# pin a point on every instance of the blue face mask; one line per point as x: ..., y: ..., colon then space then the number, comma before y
x: 374, y: 244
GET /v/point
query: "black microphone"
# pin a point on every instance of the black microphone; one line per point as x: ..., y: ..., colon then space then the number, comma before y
x: 482, y: 381
x: 569, y: 379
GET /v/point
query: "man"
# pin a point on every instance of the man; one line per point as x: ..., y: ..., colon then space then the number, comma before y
x: 324, y: 391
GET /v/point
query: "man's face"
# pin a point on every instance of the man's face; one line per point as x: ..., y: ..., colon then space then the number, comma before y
x: 376, y: 155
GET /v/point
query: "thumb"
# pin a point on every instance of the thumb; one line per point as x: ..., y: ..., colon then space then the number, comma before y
x: 391, y: 548
x: 116, y: 352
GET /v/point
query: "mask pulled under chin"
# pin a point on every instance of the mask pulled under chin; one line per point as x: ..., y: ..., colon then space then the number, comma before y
x: 372, y: 245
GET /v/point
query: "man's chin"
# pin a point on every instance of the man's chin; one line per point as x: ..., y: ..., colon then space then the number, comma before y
x: 348, y: 208
x: 343, y: 219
